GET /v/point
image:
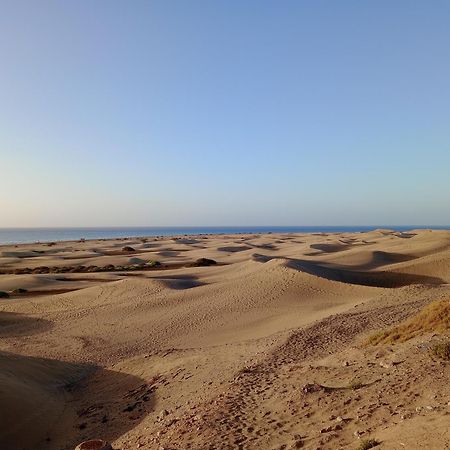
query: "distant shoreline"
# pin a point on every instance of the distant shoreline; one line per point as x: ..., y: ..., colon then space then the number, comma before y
x: 16, y: 236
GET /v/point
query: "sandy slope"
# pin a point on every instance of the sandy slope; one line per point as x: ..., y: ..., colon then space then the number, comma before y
x: 221, y: 351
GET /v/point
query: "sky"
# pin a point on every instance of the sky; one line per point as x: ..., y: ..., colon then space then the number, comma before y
x: 236, y: 112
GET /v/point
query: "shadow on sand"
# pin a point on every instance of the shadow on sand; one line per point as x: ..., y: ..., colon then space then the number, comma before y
x: 14, y: 324
x: 384, y: 279
x: 54, y: 405
x: 180, y: 282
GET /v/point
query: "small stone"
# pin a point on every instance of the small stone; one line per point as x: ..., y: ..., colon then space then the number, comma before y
x: 430, y: 408
x: 339, y: 419
x: 312, y: 387
x: 164, y: 413
x: 386, y: 365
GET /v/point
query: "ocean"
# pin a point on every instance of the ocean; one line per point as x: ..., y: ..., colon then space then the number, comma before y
x: 30, y: 235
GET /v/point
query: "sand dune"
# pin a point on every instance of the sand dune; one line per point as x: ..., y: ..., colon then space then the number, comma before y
x: 223, y: 350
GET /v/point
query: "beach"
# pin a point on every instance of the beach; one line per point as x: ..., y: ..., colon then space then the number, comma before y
x: 223, y: 341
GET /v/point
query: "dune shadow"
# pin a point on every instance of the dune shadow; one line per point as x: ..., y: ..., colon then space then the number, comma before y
x: 380, y: 258
x: 405, y: 235
x: 379, y: 278
x: 262, y: 258
x: 14, y: 324
x: 54, y: 405
x: 150, y: 245
x: 234, y: 249
x: 108, y: 403
x: 168, y: 253
x: 382, y: 279
x: 330, y: 248
x: 264, y: 246
x: 180, y: 282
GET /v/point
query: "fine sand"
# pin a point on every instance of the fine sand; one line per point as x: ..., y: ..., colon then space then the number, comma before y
x: 263, y: 350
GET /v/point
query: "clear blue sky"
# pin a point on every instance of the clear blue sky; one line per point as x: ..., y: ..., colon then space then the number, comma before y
x: 224, y: 112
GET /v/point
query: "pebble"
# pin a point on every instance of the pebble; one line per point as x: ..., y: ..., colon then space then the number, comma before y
x: 162, y: 415
x: 386, y: 365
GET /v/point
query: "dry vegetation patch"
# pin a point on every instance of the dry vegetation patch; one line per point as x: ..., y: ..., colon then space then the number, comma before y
x: 433, y: 318
x: 441, y: 350
x: 368, y: 443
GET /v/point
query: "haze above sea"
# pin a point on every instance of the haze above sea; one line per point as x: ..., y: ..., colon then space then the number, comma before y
x: 30, y: 235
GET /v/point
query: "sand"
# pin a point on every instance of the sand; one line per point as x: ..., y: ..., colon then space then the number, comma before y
x: 218, y: 357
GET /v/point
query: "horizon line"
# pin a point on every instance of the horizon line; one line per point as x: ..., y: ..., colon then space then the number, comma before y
x: 217, y: 226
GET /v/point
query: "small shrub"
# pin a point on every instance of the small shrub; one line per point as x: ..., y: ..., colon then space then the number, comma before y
x: 19, y: 291
x: 368, y: 443
x: 441, y: 350
x: 204, y: 262
x: 128, y: 249
x: 4, y: 294
x: 23, y: 271
x: 153, y: 263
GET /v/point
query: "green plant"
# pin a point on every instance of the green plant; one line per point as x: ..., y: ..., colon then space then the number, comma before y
x: 368, y: 443
x: 4, y: 294
x: 153, y: 263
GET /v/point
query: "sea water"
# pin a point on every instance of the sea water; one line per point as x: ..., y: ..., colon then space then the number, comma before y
x: 24, y: 235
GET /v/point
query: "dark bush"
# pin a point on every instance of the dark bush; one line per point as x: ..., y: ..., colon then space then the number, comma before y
x: 19, y: 291
x: 153, y: 263
x: 204, y: 262
x: 366, y: 444
x: 442, y: 350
